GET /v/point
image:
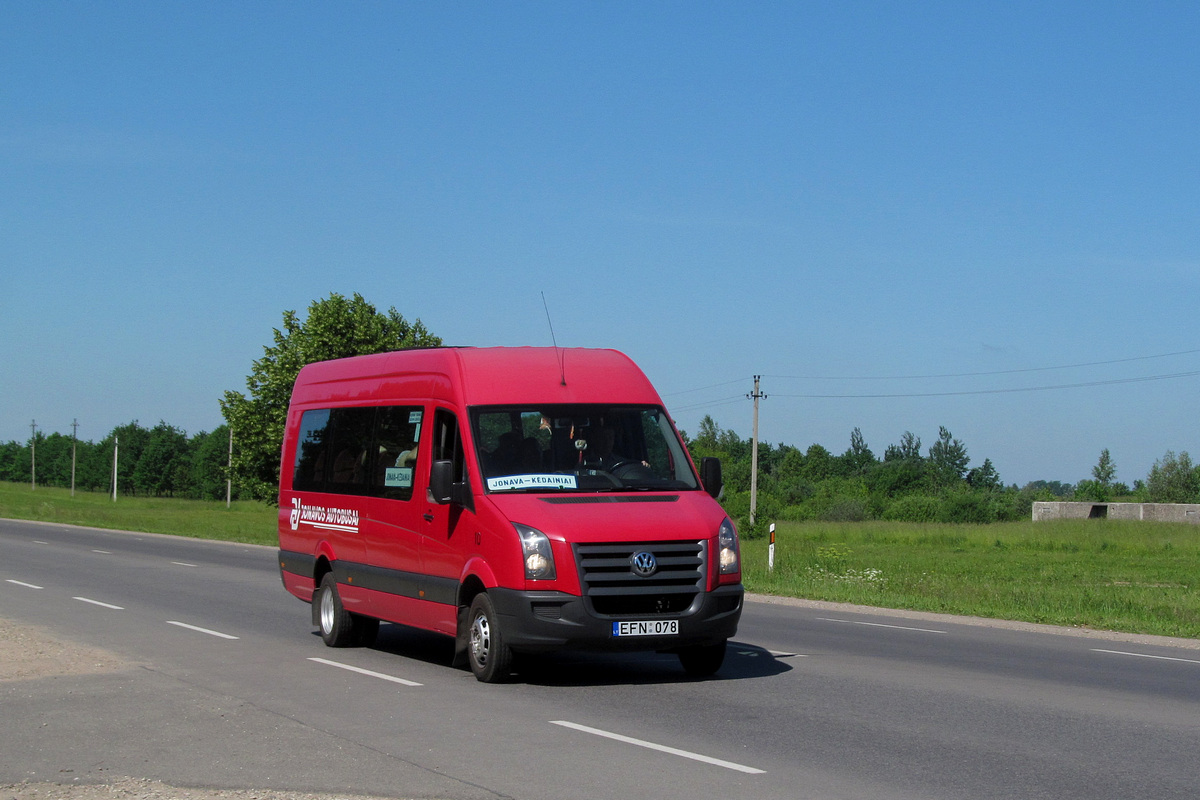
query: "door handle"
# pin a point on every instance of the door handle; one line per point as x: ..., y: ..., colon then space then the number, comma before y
x: 428, y: 516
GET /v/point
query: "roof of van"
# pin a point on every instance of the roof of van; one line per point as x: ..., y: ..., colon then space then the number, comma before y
x: 479, y: 376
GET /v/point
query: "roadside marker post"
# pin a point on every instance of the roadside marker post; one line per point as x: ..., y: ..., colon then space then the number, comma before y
x: 771, y: 551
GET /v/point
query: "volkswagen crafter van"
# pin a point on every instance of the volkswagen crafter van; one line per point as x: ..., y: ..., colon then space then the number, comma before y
x: 521, y: 500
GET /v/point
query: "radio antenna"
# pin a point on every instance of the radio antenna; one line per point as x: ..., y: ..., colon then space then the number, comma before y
x: 561, y: 372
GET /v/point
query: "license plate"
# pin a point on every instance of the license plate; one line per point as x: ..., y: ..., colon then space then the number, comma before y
x: 660, y: 627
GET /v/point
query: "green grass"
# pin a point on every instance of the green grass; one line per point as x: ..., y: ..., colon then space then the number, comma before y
x: 250, y: 522
x: 1138, y: 577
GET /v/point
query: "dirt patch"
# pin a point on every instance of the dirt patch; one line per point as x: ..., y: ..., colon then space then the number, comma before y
x: 30, y: 653
x: 137, y: 789
x: 27, y: 653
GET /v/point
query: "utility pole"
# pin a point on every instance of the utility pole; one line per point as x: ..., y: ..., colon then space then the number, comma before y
x: 756, y: 395
x: 74, y: 439
x: 116, y: 446
x: 33, y: 454
x: 229, y: 471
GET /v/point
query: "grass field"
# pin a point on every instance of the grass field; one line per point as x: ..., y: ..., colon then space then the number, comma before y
x: 1138, y: 577
x: 249, y: 522
x: 1107, y: 574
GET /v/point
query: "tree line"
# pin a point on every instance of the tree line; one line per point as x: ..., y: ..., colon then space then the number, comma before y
x: 162, y: 461
x: 908, y: 483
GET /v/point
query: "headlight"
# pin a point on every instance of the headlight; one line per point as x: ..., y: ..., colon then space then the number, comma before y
x: 727, y: 548
x: 538, y: 557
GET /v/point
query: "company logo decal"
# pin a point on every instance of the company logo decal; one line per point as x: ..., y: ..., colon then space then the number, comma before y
x: 330, y: 519
x: 644, y: 564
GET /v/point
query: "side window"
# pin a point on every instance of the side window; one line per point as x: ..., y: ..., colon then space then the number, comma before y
x: 309, y: 472
x: 397, y: 438
x: 349, y: 449
x: 447, y: 442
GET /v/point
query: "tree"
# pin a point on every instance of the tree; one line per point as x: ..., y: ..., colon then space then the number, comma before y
x: 818, y: 464
x: 131, y: 441
x: 948, y: 459
x: 336, y: 327
x: 210, y: 455
x: 1173, y: 479
x: 1105, y: 470
x: 162, y: 468
x: 859, y: 457
x: 1100, y: 488
x: 984, y: 477
x: 908, y: 449
x: 1049, y: 489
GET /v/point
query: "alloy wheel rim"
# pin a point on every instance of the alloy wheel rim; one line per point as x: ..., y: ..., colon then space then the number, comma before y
x: 481, y: 639
x: 327, y: 612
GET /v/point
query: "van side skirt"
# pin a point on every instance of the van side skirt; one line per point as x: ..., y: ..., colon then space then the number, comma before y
x: 408, y: 598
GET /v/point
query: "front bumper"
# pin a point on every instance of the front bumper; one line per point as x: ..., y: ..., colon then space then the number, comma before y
x: 541, y: 621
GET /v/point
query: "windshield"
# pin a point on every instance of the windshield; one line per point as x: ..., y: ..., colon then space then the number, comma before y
x: 579, y: 448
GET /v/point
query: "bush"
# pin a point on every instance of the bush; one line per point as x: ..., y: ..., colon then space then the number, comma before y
x: 845, y: 509
x: 914, y: 508
x: 968, y: 507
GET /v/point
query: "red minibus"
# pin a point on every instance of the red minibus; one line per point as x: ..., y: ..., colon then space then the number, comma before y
x: 521, y: 500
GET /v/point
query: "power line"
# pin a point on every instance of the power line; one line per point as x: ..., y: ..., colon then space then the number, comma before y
x: 1086, y: 384
x: 733, y: 399
x: 724, y: 401
x: 705, y: 388
x: 977, y: 374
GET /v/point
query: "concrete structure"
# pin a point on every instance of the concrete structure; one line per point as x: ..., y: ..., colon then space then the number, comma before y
x: 1150, y: 512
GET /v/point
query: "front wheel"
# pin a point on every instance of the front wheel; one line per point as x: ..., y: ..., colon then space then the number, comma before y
x: 703, y: 660
x: 491, y: 659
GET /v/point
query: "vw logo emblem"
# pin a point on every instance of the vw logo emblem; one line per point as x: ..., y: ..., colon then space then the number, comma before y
x: 644, y: 564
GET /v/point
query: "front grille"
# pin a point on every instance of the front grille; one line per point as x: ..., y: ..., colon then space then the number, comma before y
x: 609, y: 582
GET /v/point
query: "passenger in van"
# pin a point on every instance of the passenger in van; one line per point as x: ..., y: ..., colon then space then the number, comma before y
x: 531, y: 455
x: 347, y: 467
x: 507, y: 457
x: 405, y: 458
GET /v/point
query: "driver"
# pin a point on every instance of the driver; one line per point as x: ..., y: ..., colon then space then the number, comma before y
x: 599, y: 454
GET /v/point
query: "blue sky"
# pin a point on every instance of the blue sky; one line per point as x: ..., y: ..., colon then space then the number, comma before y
x: 840, y: 197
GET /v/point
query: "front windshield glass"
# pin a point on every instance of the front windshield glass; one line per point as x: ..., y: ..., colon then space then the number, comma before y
x: 579, y: 448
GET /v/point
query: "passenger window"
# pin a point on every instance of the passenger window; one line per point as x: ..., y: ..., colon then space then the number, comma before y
x: 349, y: 449
x: 397, y: 437
x: 309, y: 472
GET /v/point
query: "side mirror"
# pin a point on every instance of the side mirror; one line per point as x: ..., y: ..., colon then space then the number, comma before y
x: 710, y: 476
x: 444, y: 490
x: 441, y: 482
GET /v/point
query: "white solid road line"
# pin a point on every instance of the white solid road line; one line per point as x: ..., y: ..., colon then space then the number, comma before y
x: 362, y: 671
x: 880, y: 625
x: 218, y: 634
x: 26, y: 585
x: 98, y: 603
x: 1145, y: 655
x: 662, y: 748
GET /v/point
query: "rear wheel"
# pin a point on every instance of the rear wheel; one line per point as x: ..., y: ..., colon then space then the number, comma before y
x: 491, y: 659
x: 702, y: 660
x: 339, y: 627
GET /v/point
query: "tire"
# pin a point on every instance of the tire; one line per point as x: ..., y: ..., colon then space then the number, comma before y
x: 336, y: 623
x: 491, y: 659
x: 703, y: 660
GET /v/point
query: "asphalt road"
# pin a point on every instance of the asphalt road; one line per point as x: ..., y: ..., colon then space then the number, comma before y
x: 228, y: 686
